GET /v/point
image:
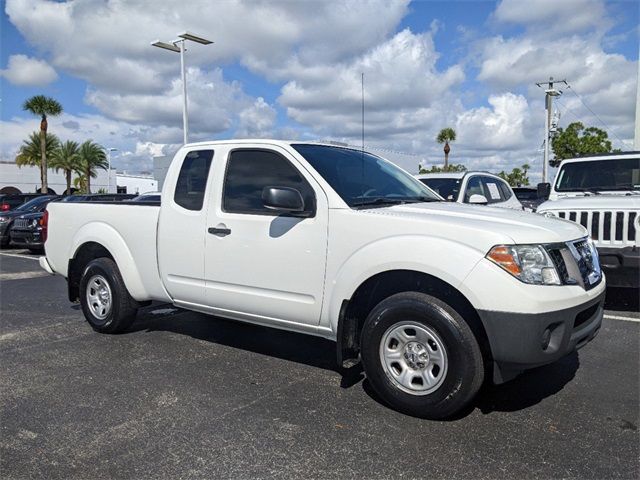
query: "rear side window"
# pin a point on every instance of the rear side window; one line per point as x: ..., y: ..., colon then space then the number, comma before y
x: 505, y: 190
x: 492, y: 190
x: 192, y: 181
x: 249, y: 171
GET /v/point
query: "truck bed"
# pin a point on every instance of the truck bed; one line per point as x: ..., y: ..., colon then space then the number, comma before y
x: 131, y: 228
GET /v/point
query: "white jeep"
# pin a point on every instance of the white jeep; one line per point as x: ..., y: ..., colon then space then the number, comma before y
x: 602, y: 193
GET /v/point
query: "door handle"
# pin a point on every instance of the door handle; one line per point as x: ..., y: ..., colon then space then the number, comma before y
x: 221, y: 232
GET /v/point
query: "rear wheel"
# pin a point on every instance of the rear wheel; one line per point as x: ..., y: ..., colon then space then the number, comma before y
x: 105, y: 301
x: 420, y: 355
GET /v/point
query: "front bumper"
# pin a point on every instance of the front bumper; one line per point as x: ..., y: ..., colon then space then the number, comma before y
x: 621, y: 265
x: 518, y: 340
x: 26, y: 238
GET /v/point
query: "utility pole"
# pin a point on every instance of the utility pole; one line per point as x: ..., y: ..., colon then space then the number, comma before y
x: 550, y: 92
x: 636, y: 136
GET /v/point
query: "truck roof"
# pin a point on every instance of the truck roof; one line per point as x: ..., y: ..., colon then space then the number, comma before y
x: 603, y: 156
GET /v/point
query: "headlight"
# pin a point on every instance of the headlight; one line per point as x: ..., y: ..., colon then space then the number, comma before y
x: 528, y: 263
x: 548, y: 214
x: 3, y: 220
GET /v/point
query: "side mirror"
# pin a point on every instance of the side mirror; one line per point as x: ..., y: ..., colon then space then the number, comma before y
x: 544, y: 190
x: 478, y: 199
x: 284, y: 199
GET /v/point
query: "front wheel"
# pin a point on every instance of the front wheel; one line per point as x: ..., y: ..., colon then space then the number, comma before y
x: 420, y: 355
x: 105, y: 301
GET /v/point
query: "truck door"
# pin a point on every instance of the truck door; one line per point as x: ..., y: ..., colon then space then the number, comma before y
x: 261, y: 265
x: 181, y: 228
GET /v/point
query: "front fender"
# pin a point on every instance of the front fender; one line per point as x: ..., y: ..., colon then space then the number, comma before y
x: 109, y: 238
x: 440, y: 257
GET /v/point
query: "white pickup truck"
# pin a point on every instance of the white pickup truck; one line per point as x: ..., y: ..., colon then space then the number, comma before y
x: 431, y: 296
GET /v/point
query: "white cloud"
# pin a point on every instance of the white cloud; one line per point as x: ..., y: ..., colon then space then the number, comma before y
x: 551, y: 17
x: 257, y: 120
x: 403, y: 90
x: 500, y: 127
x: 26, y: 71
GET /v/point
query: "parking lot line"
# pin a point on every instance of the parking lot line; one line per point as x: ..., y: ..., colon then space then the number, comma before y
x: 626, y: 319
x: 17, y: 255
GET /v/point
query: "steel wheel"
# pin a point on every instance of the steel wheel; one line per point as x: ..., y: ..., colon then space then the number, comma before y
x: 99, y: 297
x: 413, y: 357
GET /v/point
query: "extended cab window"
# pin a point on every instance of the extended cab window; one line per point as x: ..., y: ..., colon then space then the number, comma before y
x: 250, y: 171
x: 192, y: 180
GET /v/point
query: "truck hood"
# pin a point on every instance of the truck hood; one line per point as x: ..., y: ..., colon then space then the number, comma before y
x: 593, y: 202
x: 507, y: 226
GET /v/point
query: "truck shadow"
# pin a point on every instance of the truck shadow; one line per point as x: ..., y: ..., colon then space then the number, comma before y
x: 527, y: 390
x: 294, y: 347
x: 530, y: 388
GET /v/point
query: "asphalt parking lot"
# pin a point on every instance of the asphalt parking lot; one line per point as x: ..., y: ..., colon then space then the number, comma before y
x: 183, y: 395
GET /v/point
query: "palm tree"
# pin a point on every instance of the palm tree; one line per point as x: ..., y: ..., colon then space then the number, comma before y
x: 30, y: 151
x: 92, y: 157
x: 43, y: 106
x: 67, y: 158
x: 445, y: 136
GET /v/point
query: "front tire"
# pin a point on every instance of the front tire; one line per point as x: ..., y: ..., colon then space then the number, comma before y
x: 105, y: 301
x: 420, y: 356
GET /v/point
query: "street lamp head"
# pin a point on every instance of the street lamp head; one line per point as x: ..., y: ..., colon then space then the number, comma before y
x: 194, y: 38
x: 166, y: 46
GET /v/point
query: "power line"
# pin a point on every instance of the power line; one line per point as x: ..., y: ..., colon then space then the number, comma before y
x: 596, y: 115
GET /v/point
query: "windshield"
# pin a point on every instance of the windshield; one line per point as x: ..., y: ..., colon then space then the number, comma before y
x: 363, y: 179
x: 34, y: 204
x: 447, y: 188
x: 621, y: 174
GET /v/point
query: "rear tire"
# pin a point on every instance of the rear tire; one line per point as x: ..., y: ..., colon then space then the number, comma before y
x: 105, y: 300
x: 420, y: 356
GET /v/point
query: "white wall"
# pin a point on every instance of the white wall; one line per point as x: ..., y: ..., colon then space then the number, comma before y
x: 137, y: 183
x: 27, y: 179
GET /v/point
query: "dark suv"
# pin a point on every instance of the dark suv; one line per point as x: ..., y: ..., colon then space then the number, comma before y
x: 7, y: 219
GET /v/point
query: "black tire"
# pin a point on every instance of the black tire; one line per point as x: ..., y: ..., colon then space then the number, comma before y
x: 465, y: 368
x: 123, y: 308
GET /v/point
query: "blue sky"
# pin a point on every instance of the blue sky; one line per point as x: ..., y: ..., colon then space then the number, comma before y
x: 292, y: 70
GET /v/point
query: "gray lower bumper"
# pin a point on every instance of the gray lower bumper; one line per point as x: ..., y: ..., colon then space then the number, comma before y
x: 520, y: 341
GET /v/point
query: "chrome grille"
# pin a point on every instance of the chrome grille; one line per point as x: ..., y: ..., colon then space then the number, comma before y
x: 619, y: 228
x: 577, y: 263
x: 21, y: 223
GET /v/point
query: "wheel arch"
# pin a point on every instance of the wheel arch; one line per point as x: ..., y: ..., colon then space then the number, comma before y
x: 354, y: 311
x: 100, y: 240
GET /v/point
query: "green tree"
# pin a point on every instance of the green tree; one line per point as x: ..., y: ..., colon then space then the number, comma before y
x: 445, y: 136
x: 43, y: 107
x: 447, y: 168
x: 30, y: 152
x: 67, y: 158
x: 577, y: 140
x: 92, y: 157
x: 517, y: 177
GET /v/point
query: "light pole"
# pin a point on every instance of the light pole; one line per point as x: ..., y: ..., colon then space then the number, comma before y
x: 109, y: 150
x: 178, y: 46
x: 550, y: 92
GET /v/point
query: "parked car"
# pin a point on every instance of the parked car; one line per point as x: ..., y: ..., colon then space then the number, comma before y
x: 37, y: 204
x: 324, y: 240
x: 602, y: 193
x: 472, y: 187
x: 9, y: 202
x: 528, y: 197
